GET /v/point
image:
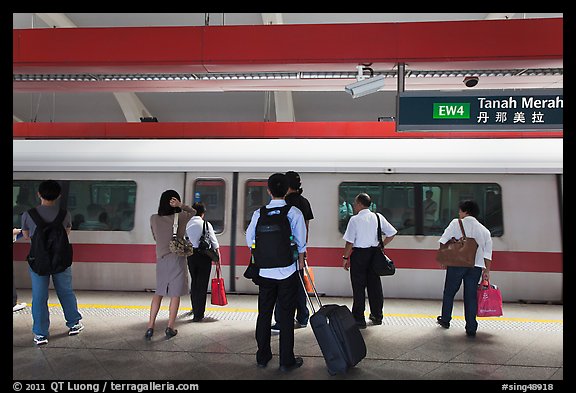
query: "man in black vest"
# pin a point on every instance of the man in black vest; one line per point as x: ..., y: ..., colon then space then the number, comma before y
x: 294, y: 197
x: 278, y: 282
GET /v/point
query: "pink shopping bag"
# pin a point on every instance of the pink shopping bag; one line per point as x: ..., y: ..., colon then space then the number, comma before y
x: 489, y: 300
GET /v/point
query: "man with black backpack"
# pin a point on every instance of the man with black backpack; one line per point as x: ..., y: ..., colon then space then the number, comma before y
x: 294, y: 197
x: 277, y: 237
x: 50, y: 255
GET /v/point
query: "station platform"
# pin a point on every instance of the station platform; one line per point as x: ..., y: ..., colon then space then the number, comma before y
x: 526, y: 343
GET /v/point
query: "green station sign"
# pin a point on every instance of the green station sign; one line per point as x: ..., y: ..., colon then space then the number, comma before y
x: 451, y: 110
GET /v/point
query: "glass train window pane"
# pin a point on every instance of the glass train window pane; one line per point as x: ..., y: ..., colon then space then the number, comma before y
x: 102, y: 205
x: 423, y: 208
x: 24, y: 197
x: 94, y: 205
x: 449, y: 195
x: 211, y: 193
x: 393, y: 200
x: 256, y: 196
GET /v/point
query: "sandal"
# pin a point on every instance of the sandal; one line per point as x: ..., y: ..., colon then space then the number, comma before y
x: 149, y: 334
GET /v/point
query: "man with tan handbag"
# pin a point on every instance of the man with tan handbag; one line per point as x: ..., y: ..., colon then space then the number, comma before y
x: 466, y: 226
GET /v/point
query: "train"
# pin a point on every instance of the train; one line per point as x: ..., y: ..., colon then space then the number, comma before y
x: 113, y: 186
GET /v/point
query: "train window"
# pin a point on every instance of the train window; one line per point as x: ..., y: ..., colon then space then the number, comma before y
x: 95, y: 205
x: 24, y: 197
x: 211, y: 193
x: 102, y: 205
x: 256, y: 196
x: 423, y: 208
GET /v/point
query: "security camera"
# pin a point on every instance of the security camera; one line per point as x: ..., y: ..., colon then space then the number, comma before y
x: 471, y: 81
x: 366, y: 86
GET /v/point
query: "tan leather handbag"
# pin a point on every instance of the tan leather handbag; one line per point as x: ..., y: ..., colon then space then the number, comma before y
x: 461, y: 252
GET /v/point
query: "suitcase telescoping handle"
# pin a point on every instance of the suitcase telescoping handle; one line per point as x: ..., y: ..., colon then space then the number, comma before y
x: 307, y: 272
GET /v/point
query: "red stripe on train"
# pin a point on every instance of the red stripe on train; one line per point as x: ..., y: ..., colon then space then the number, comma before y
x: 514, y: 261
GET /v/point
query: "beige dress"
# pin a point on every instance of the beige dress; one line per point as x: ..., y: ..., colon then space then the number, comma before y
x: 171, y: 269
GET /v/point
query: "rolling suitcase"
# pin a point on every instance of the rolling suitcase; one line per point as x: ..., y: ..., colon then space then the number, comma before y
x: 339, y: 338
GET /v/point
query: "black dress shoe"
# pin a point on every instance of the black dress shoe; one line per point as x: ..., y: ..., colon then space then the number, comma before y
x: 440, y: 322
x: 298, y: 361
x: 262, y: 364
x: 375, y: 321
x: 470, y: 333
x: 149, y: 334
x: 361, y: 324
x: 170, y: 332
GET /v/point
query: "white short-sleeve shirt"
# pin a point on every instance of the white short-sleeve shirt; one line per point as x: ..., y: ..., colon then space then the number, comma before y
x: 362, y: 229
x: 474, y: 230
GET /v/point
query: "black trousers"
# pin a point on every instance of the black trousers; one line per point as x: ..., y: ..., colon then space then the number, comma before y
x: 286, y: 292
x: 302, y: 312
x: 199, y: 266
x: 363, y: 278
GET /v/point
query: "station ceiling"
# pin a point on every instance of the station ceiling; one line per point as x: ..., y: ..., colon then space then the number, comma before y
x: 217, y: 92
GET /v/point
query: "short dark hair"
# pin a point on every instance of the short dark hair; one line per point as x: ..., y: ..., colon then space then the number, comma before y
x: 470, y: 207
x: 294, y: 181
x: 49, y: 190
x: 278, y: 185
x: 200, y: 208
x: 364, y: 199
x: 164, y: 208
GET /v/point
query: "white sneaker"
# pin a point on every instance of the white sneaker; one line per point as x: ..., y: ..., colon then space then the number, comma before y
x: 75, y: 329
x: 39, y: 340
x: 18, y: 307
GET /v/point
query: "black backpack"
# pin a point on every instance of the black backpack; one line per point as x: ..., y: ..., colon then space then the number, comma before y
x: 50, y: 249
x: 274, y: 244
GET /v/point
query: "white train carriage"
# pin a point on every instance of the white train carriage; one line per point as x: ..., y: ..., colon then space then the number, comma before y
x: 517, y: 182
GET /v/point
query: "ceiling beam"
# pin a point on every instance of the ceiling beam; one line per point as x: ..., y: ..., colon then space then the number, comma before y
x: 255, y: 48
x: 251, y: 130
x: 283, y: 102
x: 131, y: 106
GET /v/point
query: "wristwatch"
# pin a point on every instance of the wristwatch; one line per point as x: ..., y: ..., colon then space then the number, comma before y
x: 343, y: 257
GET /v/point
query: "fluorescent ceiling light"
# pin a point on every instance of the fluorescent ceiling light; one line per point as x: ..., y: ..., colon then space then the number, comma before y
x: 366, y: 86
x: 304, y: 75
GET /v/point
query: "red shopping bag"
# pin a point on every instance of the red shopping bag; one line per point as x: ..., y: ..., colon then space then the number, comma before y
x: 218, y: 294
x: 489, y: 300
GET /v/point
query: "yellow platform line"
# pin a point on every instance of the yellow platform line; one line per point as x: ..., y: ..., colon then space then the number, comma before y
x: 251, y: 310
x: 480, y: 318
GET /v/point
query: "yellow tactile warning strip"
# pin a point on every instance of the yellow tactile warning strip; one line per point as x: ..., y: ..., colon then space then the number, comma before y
x: 247, y: 314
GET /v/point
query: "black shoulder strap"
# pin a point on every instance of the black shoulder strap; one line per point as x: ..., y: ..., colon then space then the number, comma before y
x: 380, y: 242
x: 263, y: 210
x: 285, y: 209
x: 204, y: 228
x: 36, y: 217
x: 60, y: 217
x: 41, y: 223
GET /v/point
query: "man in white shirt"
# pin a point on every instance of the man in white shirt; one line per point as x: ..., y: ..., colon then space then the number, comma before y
x: 199, y: 264
x: 278, y: 282
x: 361, y: 243
x: 455, y: 275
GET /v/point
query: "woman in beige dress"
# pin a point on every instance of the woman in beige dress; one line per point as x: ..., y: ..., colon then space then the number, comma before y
x: 171, y: 269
